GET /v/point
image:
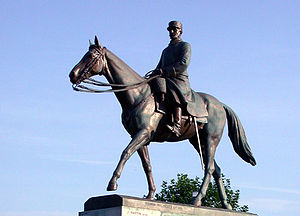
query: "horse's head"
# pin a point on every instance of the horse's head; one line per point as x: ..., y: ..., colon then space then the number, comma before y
x: 92, y: 63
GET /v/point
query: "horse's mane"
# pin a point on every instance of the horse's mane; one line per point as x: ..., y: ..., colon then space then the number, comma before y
x: 118, y: 65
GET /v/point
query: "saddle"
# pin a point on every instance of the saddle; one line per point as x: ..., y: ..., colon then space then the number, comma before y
x: 195, y: 108
x: 198, y: 110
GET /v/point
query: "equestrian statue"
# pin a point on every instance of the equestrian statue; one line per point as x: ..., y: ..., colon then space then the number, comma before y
x: 162, y: 107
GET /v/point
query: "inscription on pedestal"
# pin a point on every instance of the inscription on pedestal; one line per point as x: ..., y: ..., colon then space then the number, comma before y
x: 116, y: 205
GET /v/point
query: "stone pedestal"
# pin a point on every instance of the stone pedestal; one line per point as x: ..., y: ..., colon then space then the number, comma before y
x: 117, y: 205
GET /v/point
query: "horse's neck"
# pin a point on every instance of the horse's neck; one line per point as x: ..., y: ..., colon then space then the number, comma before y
x: 120, y: 73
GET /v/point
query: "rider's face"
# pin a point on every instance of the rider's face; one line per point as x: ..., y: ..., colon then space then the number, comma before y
x: 174, y: 32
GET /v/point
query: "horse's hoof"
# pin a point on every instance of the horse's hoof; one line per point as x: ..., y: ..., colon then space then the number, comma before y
x: 150, y: 197
x: 112, y: 186
x: 227, y: 206
x: 196, y: 202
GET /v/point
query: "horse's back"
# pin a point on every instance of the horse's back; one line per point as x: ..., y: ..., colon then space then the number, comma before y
x: 216, y: 112
x: 210, y: 100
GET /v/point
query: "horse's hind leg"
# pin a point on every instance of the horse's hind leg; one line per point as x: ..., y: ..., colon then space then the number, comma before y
x: 221, y: 189
x: 208, y: 145
x: 216, y: 174
x: 144, y: 155
x: 209, y: 150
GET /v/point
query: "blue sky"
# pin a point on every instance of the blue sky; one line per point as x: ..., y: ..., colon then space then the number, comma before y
x: 59, y: 147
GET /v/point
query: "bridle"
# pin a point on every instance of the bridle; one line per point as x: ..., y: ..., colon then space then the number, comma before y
x: 100, y: 54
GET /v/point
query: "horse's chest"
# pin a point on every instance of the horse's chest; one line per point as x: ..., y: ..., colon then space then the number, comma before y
x: 139, y: 116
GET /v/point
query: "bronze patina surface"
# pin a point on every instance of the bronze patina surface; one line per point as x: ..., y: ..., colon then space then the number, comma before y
x: 146, y: 124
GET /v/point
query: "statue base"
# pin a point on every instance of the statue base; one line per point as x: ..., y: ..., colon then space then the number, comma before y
x: 117, y: 205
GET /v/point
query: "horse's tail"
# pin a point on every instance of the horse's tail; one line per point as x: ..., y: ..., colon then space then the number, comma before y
x: 237, y: 136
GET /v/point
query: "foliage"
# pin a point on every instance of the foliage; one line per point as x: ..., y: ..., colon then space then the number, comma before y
x: 181, y: 191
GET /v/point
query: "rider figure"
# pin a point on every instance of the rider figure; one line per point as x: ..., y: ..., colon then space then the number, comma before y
x: 174, y: 80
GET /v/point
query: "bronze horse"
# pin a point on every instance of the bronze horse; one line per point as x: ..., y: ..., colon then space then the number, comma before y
x: 145, y: 124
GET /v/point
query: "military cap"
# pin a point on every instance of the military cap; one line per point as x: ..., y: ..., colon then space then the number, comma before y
x: 176, y: 24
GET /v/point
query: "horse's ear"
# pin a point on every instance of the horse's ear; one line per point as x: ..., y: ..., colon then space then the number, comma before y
x: 97, y: 43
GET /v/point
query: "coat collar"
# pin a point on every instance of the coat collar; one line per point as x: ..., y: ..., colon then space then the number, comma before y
x: 172, y: 42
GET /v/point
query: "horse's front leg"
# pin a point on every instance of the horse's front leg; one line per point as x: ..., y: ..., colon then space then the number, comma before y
x: 139, y: 139
x: 145, y: 158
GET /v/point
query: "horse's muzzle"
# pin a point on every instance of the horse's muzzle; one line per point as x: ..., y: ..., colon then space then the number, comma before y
x: 72, y: 78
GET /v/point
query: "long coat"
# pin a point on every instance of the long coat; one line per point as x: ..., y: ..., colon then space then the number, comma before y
x: 174, y: 62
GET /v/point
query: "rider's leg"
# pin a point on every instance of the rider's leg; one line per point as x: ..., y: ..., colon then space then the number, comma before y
x: 177, y: 120
x: 177, y: 113
x: 159, y: 88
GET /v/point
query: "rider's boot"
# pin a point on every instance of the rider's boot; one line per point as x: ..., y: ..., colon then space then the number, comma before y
x: 177, y: 122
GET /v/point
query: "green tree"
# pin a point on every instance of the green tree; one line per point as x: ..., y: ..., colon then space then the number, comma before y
x: 181, y: 191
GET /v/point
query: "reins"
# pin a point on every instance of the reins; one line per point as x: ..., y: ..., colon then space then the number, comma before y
x: 122, y: 87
